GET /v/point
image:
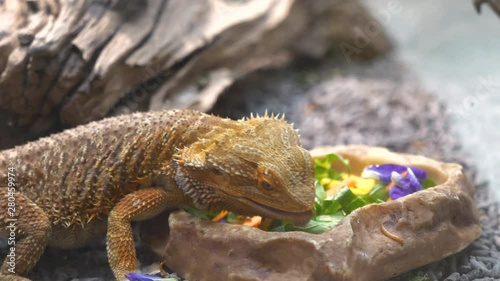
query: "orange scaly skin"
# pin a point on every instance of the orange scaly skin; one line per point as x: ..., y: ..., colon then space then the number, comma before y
x: 78, y: 185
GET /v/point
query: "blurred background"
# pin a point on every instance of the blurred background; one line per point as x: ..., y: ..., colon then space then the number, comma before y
x: 455, y: 53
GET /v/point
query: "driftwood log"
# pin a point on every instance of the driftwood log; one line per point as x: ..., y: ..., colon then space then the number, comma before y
x: 493, y: 4
x: 68, y: 62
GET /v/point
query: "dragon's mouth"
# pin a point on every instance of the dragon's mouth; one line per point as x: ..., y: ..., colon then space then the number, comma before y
x: 301, y: 217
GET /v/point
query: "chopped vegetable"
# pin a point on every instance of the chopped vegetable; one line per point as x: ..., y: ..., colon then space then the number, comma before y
x: 323, y: 167
x: 220, y: 216
x: 348, y: 200
x: 358, y: 185
x: 334, y: 186
x: 254, y: 221
x: 377, y: 194
x: 199, y: 213
x: 428, y: 182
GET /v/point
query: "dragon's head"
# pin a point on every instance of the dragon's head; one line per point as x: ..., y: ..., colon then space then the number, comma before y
x: 251, y: 167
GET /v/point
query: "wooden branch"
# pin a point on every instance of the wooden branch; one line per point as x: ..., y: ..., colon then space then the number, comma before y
x: 71, y: 62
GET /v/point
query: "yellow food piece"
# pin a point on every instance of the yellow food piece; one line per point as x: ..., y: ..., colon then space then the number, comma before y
x: 358, y: 185
x: 325, y: 181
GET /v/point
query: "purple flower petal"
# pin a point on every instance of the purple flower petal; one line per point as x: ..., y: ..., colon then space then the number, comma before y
x: 134, y: 276
x: 383, y: 172
x: 404, y: 185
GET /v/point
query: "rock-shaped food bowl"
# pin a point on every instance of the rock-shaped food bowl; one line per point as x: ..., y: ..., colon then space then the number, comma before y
x: 427, y: 226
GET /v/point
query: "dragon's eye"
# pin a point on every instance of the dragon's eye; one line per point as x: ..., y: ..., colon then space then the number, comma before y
x: 266, y: 185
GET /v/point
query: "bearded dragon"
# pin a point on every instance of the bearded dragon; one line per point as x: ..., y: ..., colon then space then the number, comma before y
x: 73, y: 187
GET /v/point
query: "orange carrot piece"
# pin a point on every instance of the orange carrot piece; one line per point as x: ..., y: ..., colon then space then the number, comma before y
x: 253, y: 221
x: 220, y: 216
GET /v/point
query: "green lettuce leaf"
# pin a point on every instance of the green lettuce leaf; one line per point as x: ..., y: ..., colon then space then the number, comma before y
x: 428, y: 182
x: 377, y: 194
x: 348, y: 200
x: 323, y: 167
